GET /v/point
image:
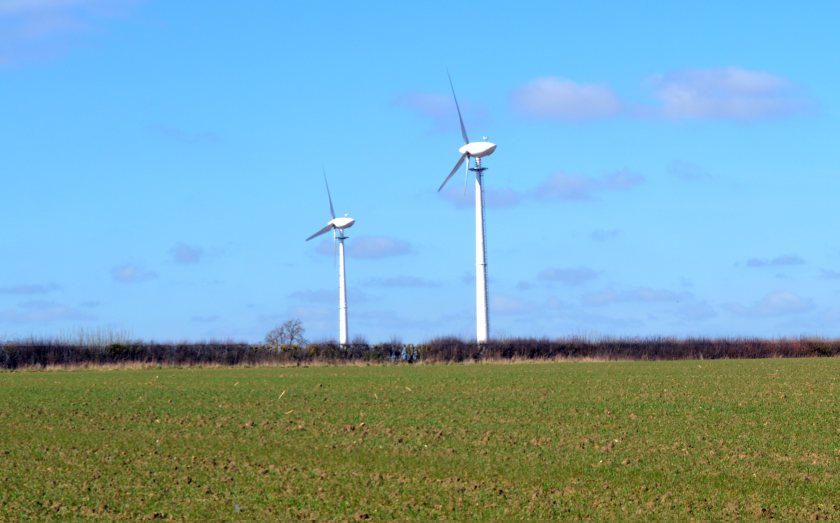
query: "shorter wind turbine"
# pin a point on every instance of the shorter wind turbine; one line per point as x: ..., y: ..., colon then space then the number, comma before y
x: 476, y: 150
x: 337, y: 226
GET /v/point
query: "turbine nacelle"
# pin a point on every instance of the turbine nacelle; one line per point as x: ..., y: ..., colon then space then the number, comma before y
x: 345, y: 222
x: 342, y: 223
x: 477, y: 149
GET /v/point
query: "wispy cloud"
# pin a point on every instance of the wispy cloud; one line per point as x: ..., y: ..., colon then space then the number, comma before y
x: 602, y: 235
x: 327, y: 247
x: 402, y: 282
x: 29, y: 289
x: 314, y: 295
x: 724, y: 93
x: 508, y: 305
x: 40, y: 6
x: 560, y: 186
x: 696, y: 310
x: 730, y: 93
x: 367, y: 247
x: 569, y: 276
x: 493, y: 198
x: 440, y: 109
x: 784, y: 260
x: 130, y: 273
x: 774, y: 304
x: 377, y: 247
x: 563, y: 186
x: 436, y: 106
x: 641, y: 295
x: 688, y: 172
x: 561, y: 99
x: 42, y: 311
x: 34, y: 29
x: 829, y: 274
x: 186, y: 254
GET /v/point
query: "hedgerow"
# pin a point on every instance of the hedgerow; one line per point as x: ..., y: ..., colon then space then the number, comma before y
x: 50, y: 353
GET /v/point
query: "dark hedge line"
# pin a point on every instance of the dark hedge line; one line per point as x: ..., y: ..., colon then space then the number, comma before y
x: 33, y: 353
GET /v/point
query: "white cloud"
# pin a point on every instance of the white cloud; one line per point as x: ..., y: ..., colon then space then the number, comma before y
x: 560, y: 186
x: 315, y: 295
x: 368, y: 247
x: 727, y: 93
x: 602, y: 235
x: 508, y: 305
x: 186, y: 254
x: 696, y: 310
x: 440, y: 108
x: 569, y: 276
x: 501, y: 198
x: 493, y: 198
x: 563, y: 186
x: 688, y: 172
x: 640, y: 295
x: 402, y: 282
x: 731, y: 93
x: 10, y: 8
x: 377, y: 247
x: 774, y: 304
x: 33, y: 29
x: 621, y: 181
x: 784, y: 260
x: 39, y: 311
x: 432, y: 105
x: 561, y: 99
x: 130, y: 273
x: 28, y: 289
x: 23, y: 6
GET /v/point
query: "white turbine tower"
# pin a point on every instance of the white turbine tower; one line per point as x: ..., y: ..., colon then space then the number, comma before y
x: 337, y: 225
x: 477, y: 150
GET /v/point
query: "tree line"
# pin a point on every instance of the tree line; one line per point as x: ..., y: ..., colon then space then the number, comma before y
x: 50, y: 353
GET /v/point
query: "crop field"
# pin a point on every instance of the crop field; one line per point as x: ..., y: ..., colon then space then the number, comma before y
x: 666, y: 440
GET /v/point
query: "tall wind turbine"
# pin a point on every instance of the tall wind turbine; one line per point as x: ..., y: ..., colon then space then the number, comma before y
x: 337, y: 226
x: 476, y: 150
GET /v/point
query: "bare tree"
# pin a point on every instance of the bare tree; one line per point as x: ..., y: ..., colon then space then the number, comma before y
x: 288, y: 334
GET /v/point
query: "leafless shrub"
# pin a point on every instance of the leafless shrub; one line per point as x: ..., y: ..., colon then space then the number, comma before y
x: 286, y: 336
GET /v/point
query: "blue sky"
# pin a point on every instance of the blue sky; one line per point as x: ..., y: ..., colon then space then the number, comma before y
x: 663, y: 168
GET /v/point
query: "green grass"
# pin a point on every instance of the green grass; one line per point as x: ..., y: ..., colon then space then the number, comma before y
x: 617, y: 440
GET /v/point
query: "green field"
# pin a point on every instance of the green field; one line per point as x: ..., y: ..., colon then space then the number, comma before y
x: 618, y: 440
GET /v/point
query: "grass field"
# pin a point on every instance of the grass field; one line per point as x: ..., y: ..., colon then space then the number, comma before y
x: 604, y: 440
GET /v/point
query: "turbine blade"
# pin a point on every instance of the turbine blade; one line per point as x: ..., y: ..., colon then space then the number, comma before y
x: 322, y: 231
x: 457, y: 166
x: 466, y: 177
x: 332, y: 211
x: 460, y: 118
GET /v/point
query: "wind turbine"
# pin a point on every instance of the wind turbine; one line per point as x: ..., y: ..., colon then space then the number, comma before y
x: 476, y: 150
x: 337, y: 225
